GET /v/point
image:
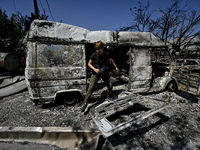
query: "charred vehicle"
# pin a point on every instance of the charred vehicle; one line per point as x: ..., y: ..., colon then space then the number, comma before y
x: 187, y: 75
x: 57, y: 56
x: 186, y: 70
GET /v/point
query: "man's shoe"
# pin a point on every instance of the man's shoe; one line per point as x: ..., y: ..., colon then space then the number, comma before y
x: 83, y: 107
x: 109, y: 98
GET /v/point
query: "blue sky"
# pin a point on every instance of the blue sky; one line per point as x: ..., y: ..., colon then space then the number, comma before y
x: 89, y: 14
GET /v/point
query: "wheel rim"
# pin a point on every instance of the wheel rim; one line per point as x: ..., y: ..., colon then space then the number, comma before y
x: 71, y: 100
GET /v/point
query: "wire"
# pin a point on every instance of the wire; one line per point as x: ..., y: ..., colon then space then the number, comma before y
x: 42, y: 7
x: 50, y: 11
x: 14, y: 5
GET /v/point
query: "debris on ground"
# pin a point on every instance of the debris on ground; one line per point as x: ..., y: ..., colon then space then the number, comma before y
x: 172, y: 128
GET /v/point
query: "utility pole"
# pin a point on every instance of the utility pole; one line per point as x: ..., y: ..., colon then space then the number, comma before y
x: 36, y: 9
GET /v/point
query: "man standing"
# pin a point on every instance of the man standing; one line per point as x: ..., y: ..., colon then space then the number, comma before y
x: 99, y: 63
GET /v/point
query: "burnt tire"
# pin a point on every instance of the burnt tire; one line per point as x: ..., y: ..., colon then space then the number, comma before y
x: 172, y: 86
x: 70, y: 99
x: 67, y: 99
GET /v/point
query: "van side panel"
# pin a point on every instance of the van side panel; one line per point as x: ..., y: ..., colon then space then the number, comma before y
x: 53, y: 68
x: 140, y: 73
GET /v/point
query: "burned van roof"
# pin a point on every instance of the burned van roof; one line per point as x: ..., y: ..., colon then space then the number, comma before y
x: 54, y: 31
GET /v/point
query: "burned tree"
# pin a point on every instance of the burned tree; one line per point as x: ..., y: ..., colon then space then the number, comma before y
x: 141, y: 18
x: 176, y: 25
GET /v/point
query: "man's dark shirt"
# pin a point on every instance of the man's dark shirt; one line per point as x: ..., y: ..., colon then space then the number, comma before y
x: 100, y: 61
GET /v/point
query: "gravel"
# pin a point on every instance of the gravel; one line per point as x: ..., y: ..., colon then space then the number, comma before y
x: 177, y: 127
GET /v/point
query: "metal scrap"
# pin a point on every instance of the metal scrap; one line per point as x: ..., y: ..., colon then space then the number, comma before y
x: 104, y: 113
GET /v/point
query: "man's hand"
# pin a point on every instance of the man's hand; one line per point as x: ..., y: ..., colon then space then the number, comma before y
x: 111, y: 60
x: 97, y: 70
x: 117, y: 69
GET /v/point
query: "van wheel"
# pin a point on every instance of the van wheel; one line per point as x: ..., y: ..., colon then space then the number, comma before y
x: 172, y: 87
x: 70, y: 99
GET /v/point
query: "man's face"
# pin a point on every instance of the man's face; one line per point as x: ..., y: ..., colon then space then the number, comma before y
x: 100, y: 51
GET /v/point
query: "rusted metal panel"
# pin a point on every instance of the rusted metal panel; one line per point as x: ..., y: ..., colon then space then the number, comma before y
x: 104, y: 36
x: 139, y: 39
x: 187, y: 74
x: 45, y: 90
x: 114, y: 116
x: 47, y: 29
x: 31, y: 55
x: 43, y: 73
x: 140, y: 73
x: 52, y: 68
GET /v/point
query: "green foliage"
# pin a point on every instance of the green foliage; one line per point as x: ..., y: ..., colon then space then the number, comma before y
x: 11, y: 32
x: 13, y: 29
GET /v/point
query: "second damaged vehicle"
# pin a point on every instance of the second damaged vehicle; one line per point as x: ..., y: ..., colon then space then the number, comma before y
x: 57, y: 56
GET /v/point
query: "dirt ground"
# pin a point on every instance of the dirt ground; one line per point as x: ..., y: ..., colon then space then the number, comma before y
x: 177, y: 127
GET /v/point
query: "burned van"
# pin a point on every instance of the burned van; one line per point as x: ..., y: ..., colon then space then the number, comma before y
x: 57, y: 57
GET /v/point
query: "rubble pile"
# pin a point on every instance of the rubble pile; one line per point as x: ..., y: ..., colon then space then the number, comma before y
x: 173, y: 128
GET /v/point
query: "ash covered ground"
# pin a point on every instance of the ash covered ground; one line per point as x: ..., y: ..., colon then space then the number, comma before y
x: 176, y: 127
